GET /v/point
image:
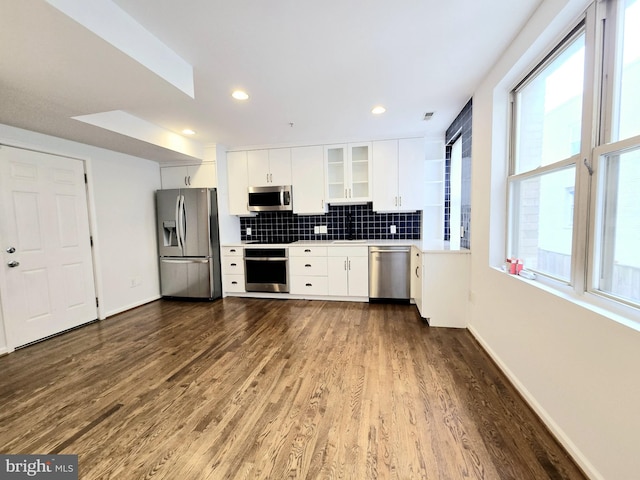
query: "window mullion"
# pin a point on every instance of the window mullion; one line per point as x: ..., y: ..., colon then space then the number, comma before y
x: 594, y: 32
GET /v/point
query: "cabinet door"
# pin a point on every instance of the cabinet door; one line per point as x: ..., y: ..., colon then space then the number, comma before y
x: 411, y: 174
x: 280, y: 166
x: 337, y: 276
x: 202, y: 176
x: 385, y: 176
x: 237, y: 182
x: 335, y: 157
x: 258, y: 168
x: 307, y: 172
x: 358, y: 268
x: 173, y: 177
x: 359, y: 172
x: 416, y: 277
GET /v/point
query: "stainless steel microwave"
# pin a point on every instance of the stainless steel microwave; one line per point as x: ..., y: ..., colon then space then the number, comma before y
x: 270, y: 199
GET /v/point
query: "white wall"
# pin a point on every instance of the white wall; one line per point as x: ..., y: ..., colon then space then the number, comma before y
x: 124, y: 193
x: 576, y: 367
x: 121, y: 196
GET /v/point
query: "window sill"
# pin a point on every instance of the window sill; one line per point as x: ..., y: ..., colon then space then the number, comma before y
x: 615, y: 311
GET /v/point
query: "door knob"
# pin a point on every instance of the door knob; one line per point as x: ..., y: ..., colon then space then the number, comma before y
x: 11, y: 250
x: 13, y: 264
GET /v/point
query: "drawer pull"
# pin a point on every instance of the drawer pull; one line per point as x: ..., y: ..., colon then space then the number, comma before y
x: 234, y: 283
x: 308, y: 285
x: 308, y: 265
x: 234, y: 264
x: 306, y: 250
x: 233, y: 250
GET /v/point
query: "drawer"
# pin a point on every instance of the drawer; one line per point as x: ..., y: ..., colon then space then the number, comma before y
x: 232, y: 251
x: 306, y: 285
x: 310, y: 266
x: 233, y: 283
x: 232, y: 265
x: 308, y: 251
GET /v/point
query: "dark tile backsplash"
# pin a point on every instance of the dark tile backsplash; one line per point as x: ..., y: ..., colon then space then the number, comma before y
x: 361, y: 220
x: 461, y: 127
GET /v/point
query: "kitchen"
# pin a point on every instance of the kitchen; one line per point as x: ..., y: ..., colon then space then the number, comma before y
x: 520, y: 334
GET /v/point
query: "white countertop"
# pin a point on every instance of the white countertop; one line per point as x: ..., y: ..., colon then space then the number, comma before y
x: 426, y: 246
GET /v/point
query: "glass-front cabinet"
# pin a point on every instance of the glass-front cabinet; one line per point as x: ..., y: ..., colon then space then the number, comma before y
x: 348, y: 172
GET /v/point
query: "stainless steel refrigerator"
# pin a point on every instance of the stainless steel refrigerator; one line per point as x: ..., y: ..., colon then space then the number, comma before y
x: 188, y: 243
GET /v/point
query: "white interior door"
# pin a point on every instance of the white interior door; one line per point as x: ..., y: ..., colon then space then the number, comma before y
x: 46, y: 277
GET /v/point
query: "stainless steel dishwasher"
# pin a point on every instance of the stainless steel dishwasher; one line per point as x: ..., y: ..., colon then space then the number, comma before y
x: 389, y: 277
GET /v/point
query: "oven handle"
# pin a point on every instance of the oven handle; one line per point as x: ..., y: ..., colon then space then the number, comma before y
x: 266, y: 259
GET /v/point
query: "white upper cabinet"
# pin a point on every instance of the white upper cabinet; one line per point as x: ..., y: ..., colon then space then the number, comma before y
x: 269, y: 167
x: 189, y: 176
x: 398, y: 174
x: 307, y: 172
x: 348, y: 173
x: 385, y: 175
x: 237, y: 176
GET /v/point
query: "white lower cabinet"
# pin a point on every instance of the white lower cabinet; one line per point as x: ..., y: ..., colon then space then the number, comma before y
x: 348, y: 271
x: 232, y: 265
x: 445, y: 289
x: 308, y: 270
x: 416, y: 277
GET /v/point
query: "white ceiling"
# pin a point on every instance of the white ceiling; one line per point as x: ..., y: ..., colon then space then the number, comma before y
x: 321, y: 65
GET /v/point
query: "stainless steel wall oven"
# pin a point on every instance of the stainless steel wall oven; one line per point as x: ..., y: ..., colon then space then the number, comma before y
x: 266, y: 269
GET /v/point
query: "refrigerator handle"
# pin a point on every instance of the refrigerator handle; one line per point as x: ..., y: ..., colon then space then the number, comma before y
x: 181, y: 221
x: 178, y: 236
x: 183, y: 224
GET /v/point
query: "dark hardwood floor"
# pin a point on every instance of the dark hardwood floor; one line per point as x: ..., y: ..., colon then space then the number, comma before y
x: 272, y: 389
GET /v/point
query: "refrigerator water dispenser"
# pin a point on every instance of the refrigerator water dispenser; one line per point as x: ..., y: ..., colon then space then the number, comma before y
x: 169, y: 233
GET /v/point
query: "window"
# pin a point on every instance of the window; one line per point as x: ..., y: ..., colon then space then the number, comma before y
x: 574, y: 176
x: 548, y: 122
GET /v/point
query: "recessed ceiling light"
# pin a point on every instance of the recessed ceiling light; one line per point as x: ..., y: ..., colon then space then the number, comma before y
x: 378, y: 110
x: 239, y: 95
x: 188, y: 131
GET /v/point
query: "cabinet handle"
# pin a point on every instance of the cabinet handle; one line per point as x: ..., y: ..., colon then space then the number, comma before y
x: 346, y: 195
x: 308, y: 265
x: 417, y: 275
x: 306, y: 250
x: 349, y: 193
x: 234, y: 283
x: 234, y: 264
x: 349, y: 264
x: 271, y: 177
x: 233, y: 250
x: 395, y: 201
x: 308, y: 285
x: 400, y: 200
x: 345, y: 264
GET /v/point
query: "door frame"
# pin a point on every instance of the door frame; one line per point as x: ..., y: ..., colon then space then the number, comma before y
x: 93, y: 232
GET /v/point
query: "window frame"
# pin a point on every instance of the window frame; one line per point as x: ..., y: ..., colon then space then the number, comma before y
x: 600, y: 24
x: 584, y: 25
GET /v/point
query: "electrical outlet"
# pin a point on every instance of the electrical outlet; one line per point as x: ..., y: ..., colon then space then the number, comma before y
x: 323, y: 229
x: 248, y: 230
x: 316, y: 230
x: 392, y: 229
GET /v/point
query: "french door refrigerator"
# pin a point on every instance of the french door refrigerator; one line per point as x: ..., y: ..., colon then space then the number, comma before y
x: 188, y: 243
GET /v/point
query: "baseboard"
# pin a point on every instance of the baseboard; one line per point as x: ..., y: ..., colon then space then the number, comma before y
x: 575, y: 453
x: 5, y: 350
x: 111, y: 313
